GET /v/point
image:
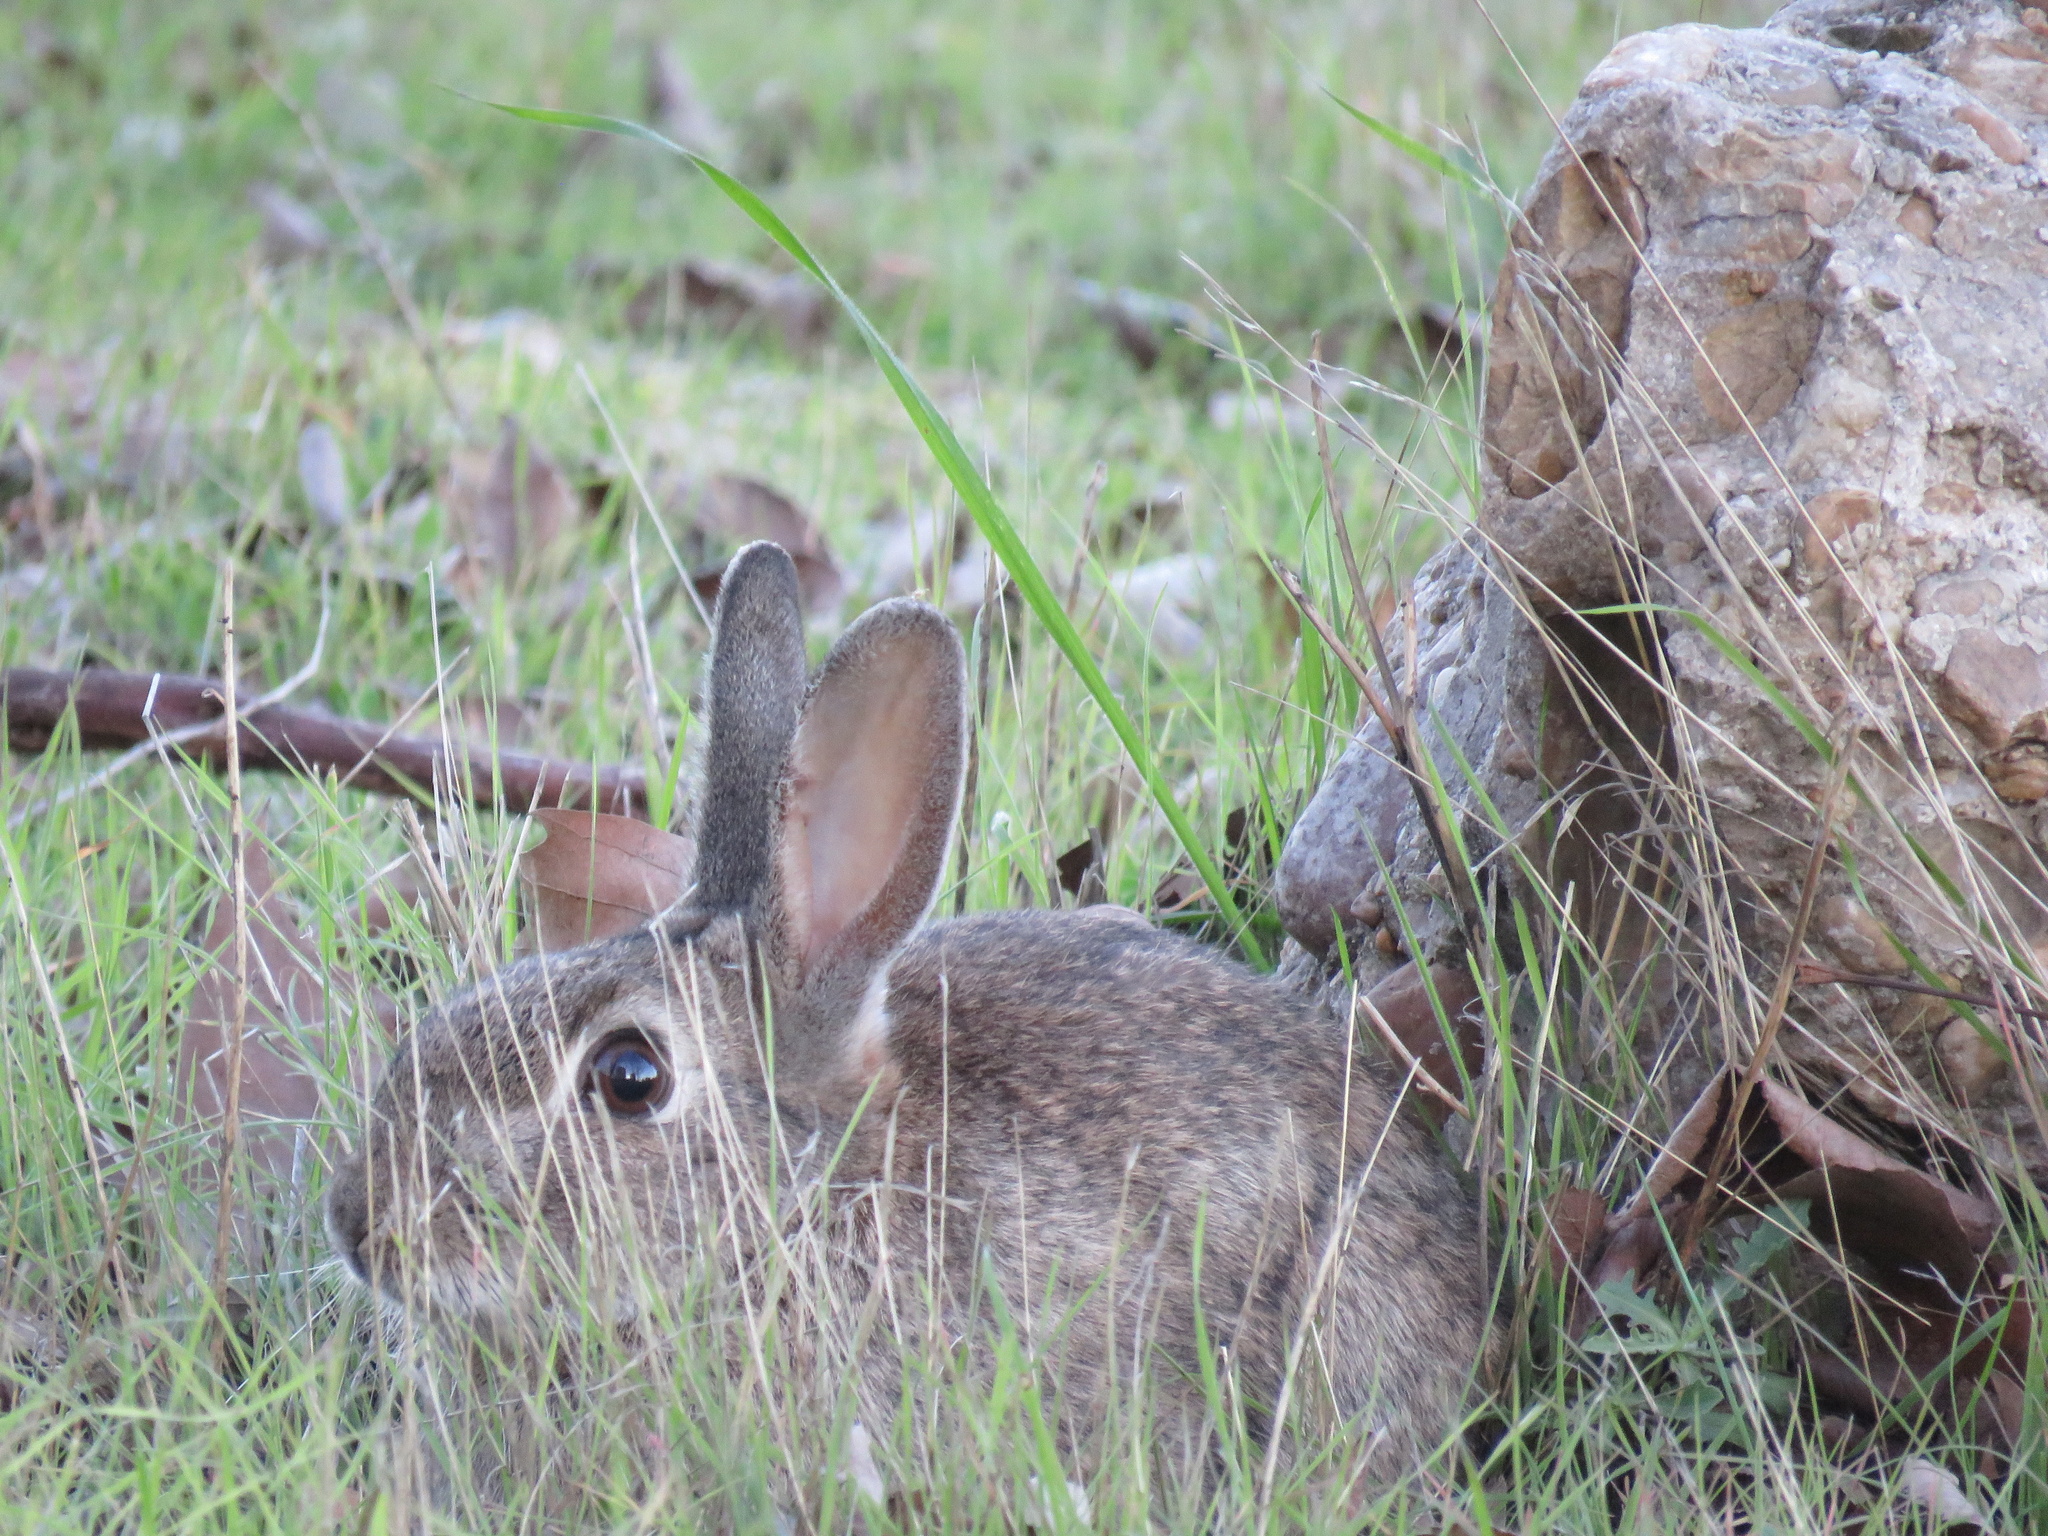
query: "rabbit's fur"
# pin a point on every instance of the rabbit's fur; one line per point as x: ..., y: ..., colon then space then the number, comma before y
x: 1073, y: 1107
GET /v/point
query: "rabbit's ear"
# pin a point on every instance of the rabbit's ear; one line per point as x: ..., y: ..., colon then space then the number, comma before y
x: 755, y: 689
x: 868, y: 801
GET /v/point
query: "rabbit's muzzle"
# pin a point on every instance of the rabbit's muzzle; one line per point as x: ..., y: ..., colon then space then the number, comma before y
x: 418, y: 1221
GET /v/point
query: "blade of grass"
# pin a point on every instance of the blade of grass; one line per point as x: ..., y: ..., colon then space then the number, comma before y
x: 1419, y: 152
x: 974, y: 492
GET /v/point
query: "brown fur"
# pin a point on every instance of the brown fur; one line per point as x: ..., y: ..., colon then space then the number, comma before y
x: 1059, y: 1100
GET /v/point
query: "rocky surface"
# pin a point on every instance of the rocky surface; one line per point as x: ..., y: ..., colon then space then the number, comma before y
x: 1769, y: 354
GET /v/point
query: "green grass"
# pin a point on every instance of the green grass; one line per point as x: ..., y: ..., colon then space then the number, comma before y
x: 995, y: 153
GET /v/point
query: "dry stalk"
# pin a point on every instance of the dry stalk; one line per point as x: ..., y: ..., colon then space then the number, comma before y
x: 1360, y: 599
x: 238, y: 893
x: 647, y: 505
x: 1421, y: 1075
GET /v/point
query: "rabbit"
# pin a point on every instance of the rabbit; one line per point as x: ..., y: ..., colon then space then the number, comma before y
x: 1065, y: 1103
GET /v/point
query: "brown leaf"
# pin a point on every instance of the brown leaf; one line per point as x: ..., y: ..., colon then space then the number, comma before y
x: 1148, y: 518
x: 726, y: 295
x: 1177, y: 891
x: 597, y: 876
x: 1782, y: 1137
x: 1441, y: 332
x: 291, y: 230
x: 726, y: 511
x: 1080, y: 871
x: 1574, y: 1221
x: 508, y: 506
x: 1925, y: 1283
x: 1936, y: 1317
x: 284, y: 1031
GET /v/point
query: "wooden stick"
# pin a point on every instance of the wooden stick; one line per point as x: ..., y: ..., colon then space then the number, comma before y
x: 110, y: 707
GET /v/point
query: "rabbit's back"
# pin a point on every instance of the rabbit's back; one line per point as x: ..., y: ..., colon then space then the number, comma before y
x: 1093, y: 1090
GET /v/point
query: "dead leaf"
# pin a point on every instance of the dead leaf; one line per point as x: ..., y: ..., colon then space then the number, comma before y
x: 597, y: 876
x: 1934, y: 1490
x: 291, y: 230
x: 1782, y: 1137
x: 1574, y: 1221
x: 1080, y: 872
x: 508, y: 507
x: 1146, y: 324
x: 1178, y: 891
x: 677, y: 107
x: 1244, y: 860
x: 724, y: 512
x: 905, y: 552
x: 1937, y: 1316
x: 726, y: 294
x: 1146, y: 519
x: 1442, y: 331
x: 323, y: 475
x: 285, y: 1034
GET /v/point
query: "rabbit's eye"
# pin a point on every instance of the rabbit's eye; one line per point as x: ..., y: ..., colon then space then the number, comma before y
x: 630, y: 1076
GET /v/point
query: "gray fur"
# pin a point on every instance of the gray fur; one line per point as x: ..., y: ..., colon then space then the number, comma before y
x: 1061, y: 1096
x: 752, y: 695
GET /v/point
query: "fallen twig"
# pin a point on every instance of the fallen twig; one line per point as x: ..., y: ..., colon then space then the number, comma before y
x: 1814, y: 974
x: 155, y: 739
x: 115, y: 709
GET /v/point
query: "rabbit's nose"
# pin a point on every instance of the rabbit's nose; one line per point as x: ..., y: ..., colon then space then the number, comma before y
x: 348, y: 1219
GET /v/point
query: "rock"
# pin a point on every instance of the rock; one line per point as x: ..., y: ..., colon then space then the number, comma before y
x: 1846, y: 926
x: 2019, y: 773
x: 1993, y: 687
x: 1971, y: 1064
x: 1767, y: 358
x: 1831, y: 517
